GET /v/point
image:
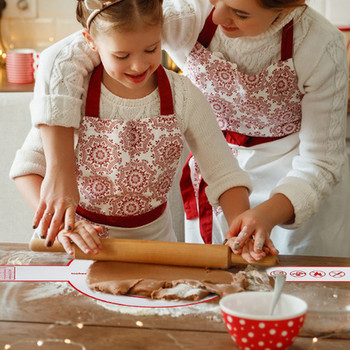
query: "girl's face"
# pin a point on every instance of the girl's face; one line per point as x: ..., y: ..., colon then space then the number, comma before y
x: 237, y: 18
x: 130, y: 58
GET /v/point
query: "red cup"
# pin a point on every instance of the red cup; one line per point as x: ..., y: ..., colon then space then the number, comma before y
x: 247, y: 319
x: 21, y: 65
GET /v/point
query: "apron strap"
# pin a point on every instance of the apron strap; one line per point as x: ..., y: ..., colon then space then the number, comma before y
x: 187, y: 191
x: 123, y: 221
x: 208, y: 31
x: 238, y: 139
x: 287, y: 41
x: 165, y: 93
x: 92, y: 105
x: 205, y: 213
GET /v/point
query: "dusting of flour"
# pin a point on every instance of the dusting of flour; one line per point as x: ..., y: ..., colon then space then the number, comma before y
x: 211, y: 310
x: 48, y: 290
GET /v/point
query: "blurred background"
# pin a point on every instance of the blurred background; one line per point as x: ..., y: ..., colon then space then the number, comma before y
x: 36, y: 24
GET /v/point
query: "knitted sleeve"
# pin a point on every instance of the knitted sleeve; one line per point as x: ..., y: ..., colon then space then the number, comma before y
x: 183, y: 21
x: 30, y: 158
x: 61, y: 81
x: 322, y: 151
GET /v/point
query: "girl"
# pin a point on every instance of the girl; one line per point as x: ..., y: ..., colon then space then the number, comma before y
x: 129, y: 140
x: 275, y: 74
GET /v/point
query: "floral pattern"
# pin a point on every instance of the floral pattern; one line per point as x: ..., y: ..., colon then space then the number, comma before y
x: 130, y: 168
x: 252, y: 105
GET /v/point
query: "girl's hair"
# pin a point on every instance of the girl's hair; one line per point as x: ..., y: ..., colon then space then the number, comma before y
x: 124, y: 15
x: 281, y: 4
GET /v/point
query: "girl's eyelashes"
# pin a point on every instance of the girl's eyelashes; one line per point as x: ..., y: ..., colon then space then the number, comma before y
x: 152, y: 51
x: 121, y: 57
x: 127, y: 55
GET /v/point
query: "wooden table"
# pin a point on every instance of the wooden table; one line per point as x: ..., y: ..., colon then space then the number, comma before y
x: 80, y: 319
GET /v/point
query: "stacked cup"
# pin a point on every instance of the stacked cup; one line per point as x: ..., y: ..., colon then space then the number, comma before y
x: 21, y: 66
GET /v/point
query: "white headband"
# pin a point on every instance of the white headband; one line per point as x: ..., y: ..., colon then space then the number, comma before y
x: 97, y: 6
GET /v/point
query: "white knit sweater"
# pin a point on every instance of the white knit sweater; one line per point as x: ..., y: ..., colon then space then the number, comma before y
x: 321, y: 67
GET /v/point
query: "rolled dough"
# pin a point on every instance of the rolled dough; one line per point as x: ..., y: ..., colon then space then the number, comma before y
x: 162, y: 281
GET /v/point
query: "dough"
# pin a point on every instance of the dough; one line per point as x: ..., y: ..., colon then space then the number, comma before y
x: 162, y: 281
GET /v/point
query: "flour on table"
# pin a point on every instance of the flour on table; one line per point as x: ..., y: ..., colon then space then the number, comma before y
x: 211, y: 310
x: 48, y: 290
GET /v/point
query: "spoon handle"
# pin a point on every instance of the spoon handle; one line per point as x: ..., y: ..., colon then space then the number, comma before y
x: 279, y: 282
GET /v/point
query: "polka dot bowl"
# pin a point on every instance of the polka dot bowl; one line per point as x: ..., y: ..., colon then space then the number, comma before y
x: 247, y: 320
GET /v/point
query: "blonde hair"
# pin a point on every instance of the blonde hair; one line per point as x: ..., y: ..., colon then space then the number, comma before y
x: 123, y: 15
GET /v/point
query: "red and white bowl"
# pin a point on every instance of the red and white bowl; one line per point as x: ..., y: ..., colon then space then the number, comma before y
x: 247, y: 320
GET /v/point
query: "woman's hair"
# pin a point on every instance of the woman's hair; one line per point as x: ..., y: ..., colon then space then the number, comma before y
x: 281, y: 4
x: 124, y: 15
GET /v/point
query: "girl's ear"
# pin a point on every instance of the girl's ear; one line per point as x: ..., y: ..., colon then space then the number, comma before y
x: 89, y: 39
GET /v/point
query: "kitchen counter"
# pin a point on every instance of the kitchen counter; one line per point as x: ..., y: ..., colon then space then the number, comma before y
x: 74, y: 317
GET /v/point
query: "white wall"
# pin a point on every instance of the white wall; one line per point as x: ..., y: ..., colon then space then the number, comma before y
x: 15, y: 215
x: 336, y: 11
x: 52, y: 21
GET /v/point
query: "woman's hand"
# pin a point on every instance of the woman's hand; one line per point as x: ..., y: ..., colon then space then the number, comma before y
x: 59, y: 194
x: 85, y: 235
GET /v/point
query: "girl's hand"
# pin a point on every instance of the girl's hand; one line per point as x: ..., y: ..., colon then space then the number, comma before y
x: 247, y: 251
x: 59, y: 198
x: 85, y: 235
x: 251, y: 230
x: 253, y: 240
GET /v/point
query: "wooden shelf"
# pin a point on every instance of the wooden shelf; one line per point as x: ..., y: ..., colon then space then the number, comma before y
x: 5, y: 86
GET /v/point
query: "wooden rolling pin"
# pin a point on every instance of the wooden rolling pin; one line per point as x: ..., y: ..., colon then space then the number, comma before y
x: 159, y: 252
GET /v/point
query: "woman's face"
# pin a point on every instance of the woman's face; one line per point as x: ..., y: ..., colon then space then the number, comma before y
x: 237, y: 18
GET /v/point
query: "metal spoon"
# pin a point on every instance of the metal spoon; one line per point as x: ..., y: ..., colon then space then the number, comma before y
x: 279, y: 282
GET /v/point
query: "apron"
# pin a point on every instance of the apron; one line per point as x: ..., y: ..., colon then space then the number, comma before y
x: 260, y: 117
x: 125, y: 169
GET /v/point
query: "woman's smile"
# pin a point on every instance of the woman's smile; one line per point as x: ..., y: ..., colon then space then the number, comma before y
x: 228, y: 29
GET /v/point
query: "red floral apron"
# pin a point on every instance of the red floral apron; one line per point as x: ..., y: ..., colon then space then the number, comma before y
x: 250, y: 109
x: 125, y: 169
